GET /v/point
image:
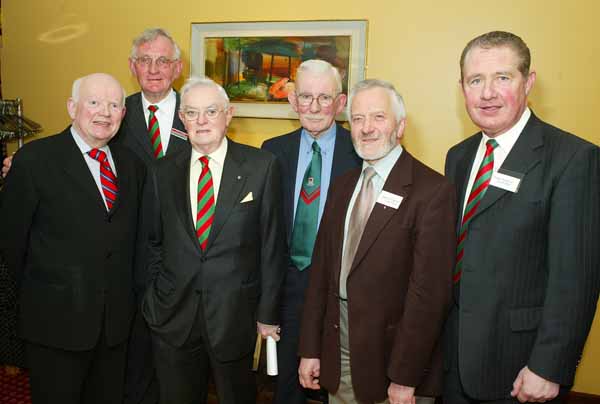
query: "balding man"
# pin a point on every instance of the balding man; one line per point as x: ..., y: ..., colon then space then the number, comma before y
x: 69, y: 213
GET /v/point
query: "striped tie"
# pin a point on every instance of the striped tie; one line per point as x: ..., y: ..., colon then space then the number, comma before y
x: 154, y: 132
x: 480, y: 185
x: 205, y: 210
x: 108, y: 179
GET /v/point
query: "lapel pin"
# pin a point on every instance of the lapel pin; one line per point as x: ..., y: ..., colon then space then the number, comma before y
x: 239, y: 177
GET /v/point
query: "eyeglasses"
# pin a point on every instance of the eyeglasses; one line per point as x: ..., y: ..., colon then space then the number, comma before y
x: 210, y: 113
x: 161, y: 62
x: 324, y: 100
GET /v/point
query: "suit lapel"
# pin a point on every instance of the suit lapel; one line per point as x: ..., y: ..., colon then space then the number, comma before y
x: 398, y: 183
x: 343, y: 153
x: 77, y: 169
x: 463, y: 171
x: 291, y: 162
x: 178, y: 136
x: 181, y: 193
x: 123, y: 178
x: 137, y: 122
x: 232, y: 182
x: 524, y: 155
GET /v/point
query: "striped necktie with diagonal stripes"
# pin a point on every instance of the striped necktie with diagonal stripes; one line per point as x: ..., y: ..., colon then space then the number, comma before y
x: 205, y: 210
x: 154, y: 132
x: 480, y: 185
x: 108, y: 179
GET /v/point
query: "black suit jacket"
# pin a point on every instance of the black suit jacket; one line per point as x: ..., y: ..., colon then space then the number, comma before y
x: 133, y: 134
x: 73, y: 260
x: 239, y: 275
x: 530, y: 278
x: 286, y: 148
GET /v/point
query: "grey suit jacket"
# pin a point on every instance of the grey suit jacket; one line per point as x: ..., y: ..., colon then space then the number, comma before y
x: 236, y: 280
x: 530, y: 277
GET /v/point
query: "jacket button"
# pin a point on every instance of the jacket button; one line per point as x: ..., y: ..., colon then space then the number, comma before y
x: 336, y: 326
x: 203, y: 259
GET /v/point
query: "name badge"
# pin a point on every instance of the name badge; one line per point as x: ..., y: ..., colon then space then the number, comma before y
x: 507, y: 180
x: 388, y: 199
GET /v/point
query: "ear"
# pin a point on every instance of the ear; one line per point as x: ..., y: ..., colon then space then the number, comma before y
x: 341, y: 103
x: 72, y: 107
x: 400, y: 129
x: 530, y: 81
x: 132, y: 67
x: 123, y: 112
x: 181, y: 116
x: 229, y: 115
x: 293, y: 100
x: 178, y: 68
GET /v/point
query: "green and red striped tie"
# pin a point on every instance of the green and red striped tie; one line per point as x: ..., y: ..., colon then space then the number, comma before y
x: 205, y: 210
x: 480, y: 185
x: 154, y: 132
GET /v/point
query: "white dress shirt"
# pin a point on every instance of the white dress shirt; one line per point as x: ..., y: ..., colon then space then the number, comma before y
x: 93, y: 164
x: 506, y: 141
x: 165, y: 115
x: 216, y: 160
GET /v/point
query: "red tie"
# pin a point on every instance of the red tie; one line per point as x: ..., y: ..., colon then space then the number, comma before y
x: 108, y: 179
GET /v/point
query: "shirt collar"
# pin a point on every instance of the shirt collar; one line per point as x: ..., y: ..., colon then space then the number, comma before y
x: 326, y: 141
x: 161, y: 103
x: 384, y: 166
x: 507, y: 140
x: 82, y: 145
x: 218, y: 156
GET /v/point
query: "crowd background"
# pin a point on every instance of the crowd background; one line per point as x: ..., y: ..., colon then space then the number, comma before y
x: 415, y: 45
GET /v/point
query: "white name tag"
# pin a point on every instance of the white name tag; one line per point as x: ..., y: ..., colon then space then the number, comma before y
x: 506, y: 181
x: 389, y: 199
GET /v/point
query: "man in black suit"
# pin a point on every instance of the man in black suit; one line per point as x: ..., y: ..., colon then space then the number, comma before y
x: 155, y: 62
x: 317, y: 99
x: 69, y: 213
x: 526, y: 277
x: 217, y: 260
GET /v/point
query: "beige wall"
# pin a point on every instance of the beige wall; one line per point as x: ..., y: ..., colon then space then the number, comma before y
x: 414, y: 44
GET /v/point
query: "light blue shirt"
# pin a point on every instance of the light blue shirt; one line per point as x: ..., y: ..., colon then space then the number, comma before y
x: 327, y: 144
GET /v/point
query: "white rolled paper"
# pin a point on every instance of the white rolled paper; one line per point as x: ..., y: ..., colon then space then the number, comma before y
x: 271, y: 357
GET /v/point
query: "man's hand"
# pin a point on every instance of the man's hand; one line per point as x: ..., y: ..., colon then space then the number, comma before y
x: 398, y: 394
x: 530, y: 387
x: 309, y: 372
x: 265, y: 330
x: 6, y: 166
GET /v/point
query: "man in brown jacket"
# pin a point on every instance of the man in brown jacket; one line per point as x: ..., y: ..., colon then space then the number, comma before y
x: 380, y: 284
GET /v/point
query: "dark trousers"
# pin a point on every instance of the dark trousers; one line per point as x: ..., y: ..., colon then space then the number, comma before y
x: 183, y: 372
x: 76, y: 377
x: 287, y: 386
x: 141, y: 386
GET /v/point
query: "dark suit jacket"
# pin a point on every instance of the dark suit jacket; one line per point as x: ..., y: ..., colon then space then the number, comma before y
x: 530, y: 279
x: 239, y: 275
x: 134, y: 135
x: 73, y: 260
x: 286, y: 148
x: 399, y: 286
x: 134, y: 131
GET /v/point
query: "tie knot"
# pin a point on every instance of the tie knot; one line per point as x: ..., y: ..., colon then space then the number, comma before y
x: 491, y: 144
x: 204, y: 161
x: 315, y: 147
x: 368, y: 173
x: 98, y: 155
x: 153, y: 108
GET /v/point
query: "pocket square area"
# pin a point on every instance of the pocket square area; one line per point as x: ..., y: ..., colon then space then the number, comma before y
x: 247, y: 198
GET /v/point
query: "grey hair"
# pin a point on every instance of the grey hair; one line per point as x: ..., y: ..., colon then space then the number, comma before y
x: 196, y: 81
x: 150, y: 35
x: 318, y: 66
x: 77, y: 85
x: 395, y: 97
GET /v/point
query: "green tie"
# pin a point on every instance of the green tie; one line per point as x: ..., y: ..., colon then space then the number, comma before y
x: 307, y: 212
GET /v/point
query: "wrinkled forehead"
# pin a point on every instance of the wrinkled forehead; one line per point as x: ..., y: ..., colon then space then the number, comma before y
x: 315, y: 83
x: 159, y: 46
x: 101, y: 88
x: 201, y: 97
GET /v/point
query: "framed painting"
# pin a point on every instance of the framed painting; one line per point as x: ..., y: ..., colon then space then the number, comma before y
x: 256, y: 62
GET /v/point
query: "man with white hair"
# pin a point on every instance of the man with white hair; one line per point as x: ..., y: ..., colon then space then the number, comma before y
x: 69, y: 212
x: 380, y: 281
x: 320, y: 149
x: 216, y: 260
